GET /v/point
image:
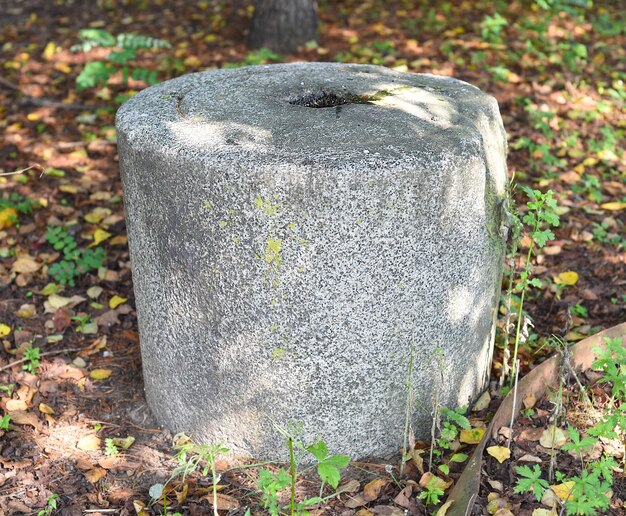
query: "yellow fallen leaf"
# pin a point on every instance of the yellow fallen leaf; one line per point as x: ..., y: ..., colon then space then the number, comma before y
x: 71, y: 189
x: 49, y: 51
x: 4, y: 330
x: 25, y: 265
x: 124, y: 442
x: 45, y: 409
x: 99, y: 236
x: 88, y: 443
x: 8, y: 217
x: 94, y: 292
x: 12, y: 405
x: 563, y: 491
x: 119, y: 240
x: 56, y: 301
x: 62, y: 67
x: 371, y: 491
x: 472, y: 436
x: 566, y: 278
x: 116, y: 301
x: 95, y: 474
x: 500, y: 453
x: 428, y: 479
x: 97, y: 215
x: 613, y: 206
x: 100, y: 374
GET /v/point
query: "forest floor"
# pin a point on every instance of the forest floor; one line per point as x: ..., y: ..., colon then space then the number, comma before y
x: 70, y: 365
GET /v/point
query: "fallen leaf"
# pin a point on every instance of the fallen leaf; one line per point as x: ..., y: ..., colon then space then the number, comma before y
x: 12, y: 405
x: 119, y: 240
x: 224, y: 502
x: 355, y: 501
x: 25, y: 265
x: 372, y: 489
x: 472, y: 436
x: 351, y: 486
x: 19, y: 417
x: 531, y: 434
x: 500, y: 453
x: 45, y: 409
x: 566, y: 278
x: 4, y: 330
x: 563, y: 491
x: 364, y: 512
x: 552, y: 437
x: 443, y: 510
x: 544, y: 512
x: 529, y: 401
x: 613, y: 206
x: 94, y: 292
x: 97, y: 215
x: 99, y: 236
x: 527, y: 457
x: 387, y: 510
x: 116, y: 301
x: 26, y: 311
x: 89, y: 443
x: 8, y: 217
x: 100, y: 374
x: 428, y: 479
x: 403, y: 498
x: 95, y: 474
x: 124, y: 442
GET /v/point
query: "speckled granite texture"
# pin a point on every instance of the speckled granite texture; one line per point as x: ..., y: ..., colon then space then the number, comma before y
x: 285, y: 257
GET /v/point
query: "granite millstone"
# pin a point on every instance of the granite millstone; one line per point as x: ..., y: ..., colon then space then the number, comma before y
x: 295, y: 231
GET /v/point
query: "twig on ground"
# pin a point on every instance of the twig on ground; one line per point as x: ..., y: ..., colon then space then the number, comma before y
x: 36, y: 166
x: 47, y: 353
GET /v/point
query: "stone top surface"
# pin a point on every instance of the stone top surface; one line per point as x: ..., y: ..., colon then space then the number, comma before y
x: 361, y: 111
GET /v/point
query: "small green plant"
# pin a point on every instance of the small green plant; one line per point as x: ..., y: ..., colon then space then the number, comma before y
x: 124, y: 49
x: 540, y: 216
x: 19, y: 203
x: 530, y: 481
x: 432, y: 493
x: 328, y: 468
x: 612, y: 361
x: 109, y: 448
x: 75, y: 261
x: 8, y: 389
x: 257, y: 57
x: 51, y: 506
x: 491, y: 28
x: 191, y: 456
x: 31, y: 360
x: 82, y: 322
x: 4, y: 422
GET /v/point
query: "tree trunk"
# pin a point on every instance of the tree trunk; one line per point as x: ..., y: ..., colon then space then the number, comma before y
x: 283, y: 25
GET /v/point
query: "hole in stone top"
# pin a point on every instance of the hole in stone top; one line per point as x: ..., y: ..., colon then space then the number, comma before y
x: 323, y: 99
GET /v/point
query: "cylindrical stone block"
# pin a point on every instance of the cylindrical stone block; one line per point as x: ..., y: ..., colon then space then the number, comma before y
x: 295, y: 231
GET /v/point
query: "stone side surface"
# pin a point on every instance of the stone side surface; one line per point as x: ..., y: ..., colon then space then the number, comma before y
x: 286, y: 259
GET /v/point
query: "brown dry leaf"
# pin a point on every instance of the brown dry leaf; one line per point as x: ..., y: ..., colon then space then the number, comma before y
x: 100, y: 374
x: 351, y: 486
x: 372, y: 489
x: 20, y: 417
x: 531, y: 434
x: 224, y: 502
x: 95, y: 474
x: 355, y: 501
x: 403, y: 498
x: 500, y: 453
x: 45, y: 409
x: 25, y: 265
x: 530, y: 458
x: 108, y: 462
x: 89, y: 442
x: 181, y: 496
x: 364, y: 512
x: 12, y: 405
x: 529, y: 401
x: 140, y: 508
x: 387, y: 510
